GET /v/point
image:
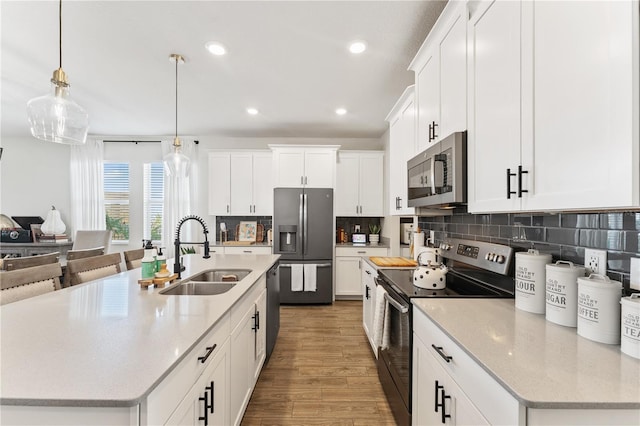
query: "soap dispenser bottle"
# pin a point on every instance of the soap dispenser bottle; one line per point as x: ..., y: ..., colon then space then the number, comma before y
x: 161, y: 259
x: 148, y: 261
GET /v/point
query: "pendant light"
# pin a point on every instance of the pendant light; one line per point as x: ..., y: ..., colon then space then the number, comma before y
x: 55, y: 117
x: 176, y: 163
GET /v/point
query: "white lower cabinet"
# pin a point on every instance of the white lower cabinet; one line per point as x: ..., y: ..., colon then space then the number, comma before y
x: 451, y: 388
x: 248, y: 343
x: 207, y: 402
x: 348, y: 276
x: 369, y: 274
x: 247, y: 250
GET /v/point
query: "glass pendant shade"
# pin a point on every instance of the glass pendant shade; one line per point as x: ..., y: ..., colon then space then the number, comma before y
x: 176, y: 163
x: 57, y: 118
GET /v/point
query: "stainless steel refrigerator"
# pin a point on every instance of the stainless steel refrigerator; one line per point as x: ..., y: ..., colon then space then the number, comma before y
x: 303, y: 236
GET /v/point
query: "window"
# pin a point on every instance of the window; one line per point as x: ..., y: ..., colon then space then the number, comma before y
x: 116, y: 199
x: 153, y: 201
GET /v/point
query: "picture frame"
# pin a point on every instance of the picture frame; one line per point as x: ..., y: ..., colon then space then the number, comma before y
x: 247, y: 231
x: 36, y: 232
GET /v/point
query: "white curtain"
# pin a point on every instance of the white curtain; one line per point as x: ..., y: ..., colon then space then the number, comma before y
x: 179, y: 197
x: 87, y: 186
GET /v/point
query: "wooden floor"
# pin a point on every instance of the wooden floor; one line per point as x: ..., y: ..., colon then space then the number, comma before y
x: 322, y: 372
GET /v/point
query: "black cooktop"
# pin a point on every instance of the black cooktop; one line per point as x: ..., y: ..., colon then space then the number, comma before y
x: 460, y: 283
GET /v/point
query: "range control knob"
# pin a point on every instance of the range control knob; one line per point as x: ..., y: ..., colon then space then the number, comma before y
x: 487, y: 256
x: 445, y: 246
x: 500, y: 258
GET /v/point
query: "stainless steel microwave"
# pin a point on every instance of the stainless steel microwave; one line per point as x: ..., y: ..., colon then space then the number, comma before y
x: 437, y: 177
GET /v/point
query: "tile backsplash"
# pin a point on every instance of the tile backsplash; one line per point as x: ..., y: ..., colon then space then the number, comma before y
x: 232, y: 221
x: 563, y: 235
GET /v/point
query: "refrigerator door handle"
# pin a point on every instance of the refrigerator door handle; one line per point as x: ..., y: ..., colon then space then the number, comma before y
x: 300, y: 235
x: 306, y: 224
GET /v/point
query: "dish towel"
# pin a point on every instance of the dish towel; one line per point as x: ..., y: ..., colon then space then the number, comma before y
x: 379, y: 316
x: 310, y: 277
x: 297, y: 277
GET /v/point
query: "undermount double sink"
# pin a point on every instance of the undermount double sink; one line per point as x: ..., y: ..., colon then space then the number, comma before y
x: 207, y: 283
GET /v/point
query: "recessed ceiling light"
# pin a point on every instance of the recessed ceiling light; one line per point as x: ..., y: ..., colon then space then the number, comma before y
x: 216, y: 48
x: 252, y: 111
x: 341, y: 111
x: 357, y: 47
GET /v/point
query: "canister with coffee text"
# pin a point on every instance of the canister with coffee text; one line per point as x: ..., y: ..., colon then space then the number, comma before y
x: 530, y: 280
x: 630, y: 325
x: 562, y: 292
x: 599, y: 308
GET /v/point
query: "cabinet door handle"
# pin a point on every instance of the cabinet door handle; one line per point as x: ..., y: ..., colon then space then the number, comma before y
x: 520, y: 173
x: 227, y: 208
x: 368, y: 272
x: 430, y: 131
x: 434, y: 125
x: 509, y: 191
x: 205, y: 418
x: 444, y: 406
x: 211, y: 388
x: 436, y: 393
x: 247, y: 251
x: 210, y: 350
x: 366, y: 292
x: 256, y: 322
x: 441, y: 353
x: 362, y: 252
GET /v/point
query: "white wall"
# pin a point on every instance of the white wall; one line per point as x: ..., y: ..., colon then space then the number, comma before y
x: 34, y: 175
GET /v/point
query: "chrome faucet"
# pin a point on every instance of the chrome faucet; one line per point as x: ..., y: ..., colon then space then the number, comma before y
x: 177, y: 266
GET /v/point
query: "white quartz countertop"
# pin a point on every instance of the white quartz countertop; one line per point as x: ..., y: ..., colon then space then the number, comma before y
x: 109, y: 342
x: 542, y: 364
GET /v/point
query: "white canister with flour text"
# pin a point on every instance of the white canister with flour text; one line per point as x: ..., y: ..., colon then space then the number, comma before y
x: 530, y: 280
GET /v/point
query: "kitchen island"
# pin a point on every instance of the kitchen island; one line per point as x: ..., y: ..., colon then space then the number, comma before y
x: 108, y: 343
x: 516, y: 367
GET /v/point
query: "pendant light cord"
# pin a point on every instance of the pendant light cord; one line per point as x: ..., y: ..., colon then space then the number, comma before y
x: 177, y: 59
x: 60, y: 30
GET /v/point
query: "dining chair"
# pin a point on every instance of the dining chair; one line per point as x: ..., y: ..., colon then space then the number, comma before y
x: 133, y: 258
x: 23, y: 283
x: 92, y: 239
x: 81, y: 254
x: 13, y: 263
x: 92, y: 268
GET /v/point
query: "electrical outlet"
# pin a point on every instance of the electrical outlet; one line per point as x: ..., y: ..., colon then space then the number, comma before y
x: 635, y: 273
x: 595, y: 261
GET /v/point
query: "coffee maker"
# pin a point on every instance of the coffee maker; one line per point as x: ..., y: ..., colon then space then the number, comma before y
x: 406, y: 229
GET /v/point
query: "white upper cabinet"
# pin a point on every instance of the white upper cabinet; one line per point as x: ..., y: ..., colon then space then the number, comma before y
x: 304, y: 166
x: 402, y: 140
x: 441, y: 82
x: 359, y: 183
x: 240, y: 183
x: 553, y: 106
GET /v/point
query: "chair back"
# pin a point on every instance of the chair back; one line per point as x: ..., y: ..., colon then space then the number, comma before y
x: 93, y: 268
x: 92, y: 239
x: 81, y: 254
x: 133, y: 258
x: 28, y: 282
x: 13, y: 263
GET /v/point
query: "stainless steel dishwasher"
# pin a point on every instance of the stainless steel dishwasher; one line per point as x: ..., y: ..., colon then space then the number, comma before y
x: 273, y: 308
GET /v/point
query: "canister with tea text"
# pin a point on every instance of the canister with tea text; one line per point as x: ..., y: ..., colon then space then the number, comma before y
x: 562, y: 292
x: 630, y: 325
x: 530, y: 280
x: 599, y: 308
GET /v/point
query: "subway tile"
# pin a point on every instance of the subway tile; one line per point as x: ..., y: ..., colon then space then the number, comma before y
x: 618, y: 261
x: 491, y: 230
x: 509, y: 232
x: 572, y: 254
x: 532, y: 233
x: 563, y: 236
x: 500, y: 219
x: 502, y: 241
x: 475, y: 229
x: 548, y: 220
x: 460, y: 218
x: 552, y: 249
x: 521, y: 220
x: 484, y: 219
x: 579, y: 220
x: 632, y: 241
x: 612, y: 220
x: 611, y: 240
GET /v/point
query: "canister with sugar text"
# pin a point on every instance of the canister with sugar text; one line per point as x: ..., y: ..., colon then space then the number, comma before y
x: 562, y: 292
x: 530, y: 280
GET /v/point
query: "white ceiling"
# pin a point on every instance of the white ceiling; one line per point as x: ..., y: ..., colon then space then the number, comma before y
x: 288, y: 59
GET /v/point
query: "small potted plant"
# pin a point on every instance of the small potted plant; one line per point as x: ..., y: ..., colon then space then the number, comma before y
x: 374, y: 233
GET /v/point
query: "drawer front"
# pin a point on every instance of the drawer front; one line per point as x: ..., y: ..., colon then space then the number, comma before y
x: 247, y: 250
x: 247, y: 301
x: 495, y: 403
x: 361, y: 251
x: 164, y: 399
x: 216, y: 250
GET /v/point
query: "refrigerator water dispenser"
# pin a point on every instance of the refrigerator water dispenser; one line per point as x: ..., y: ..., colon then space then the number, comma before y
x: 288, y: 236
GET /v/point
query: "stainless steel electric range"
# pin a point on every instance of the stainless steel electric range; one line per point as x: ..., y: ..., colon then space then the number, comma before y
x: 476, y: 270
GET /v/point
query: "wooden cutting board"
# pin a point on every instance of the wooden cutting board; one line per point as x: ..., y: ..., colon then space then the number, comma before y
x: 393, y: 261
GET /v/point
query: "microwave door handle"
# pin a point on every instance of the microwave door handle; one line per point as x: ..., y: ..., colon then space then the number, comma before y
x: 433, y: 175
x: 445, y: 169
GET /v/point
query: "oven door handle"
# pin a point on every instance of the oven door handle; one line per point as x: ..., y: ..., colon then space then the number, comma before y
x: 393, y: 302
